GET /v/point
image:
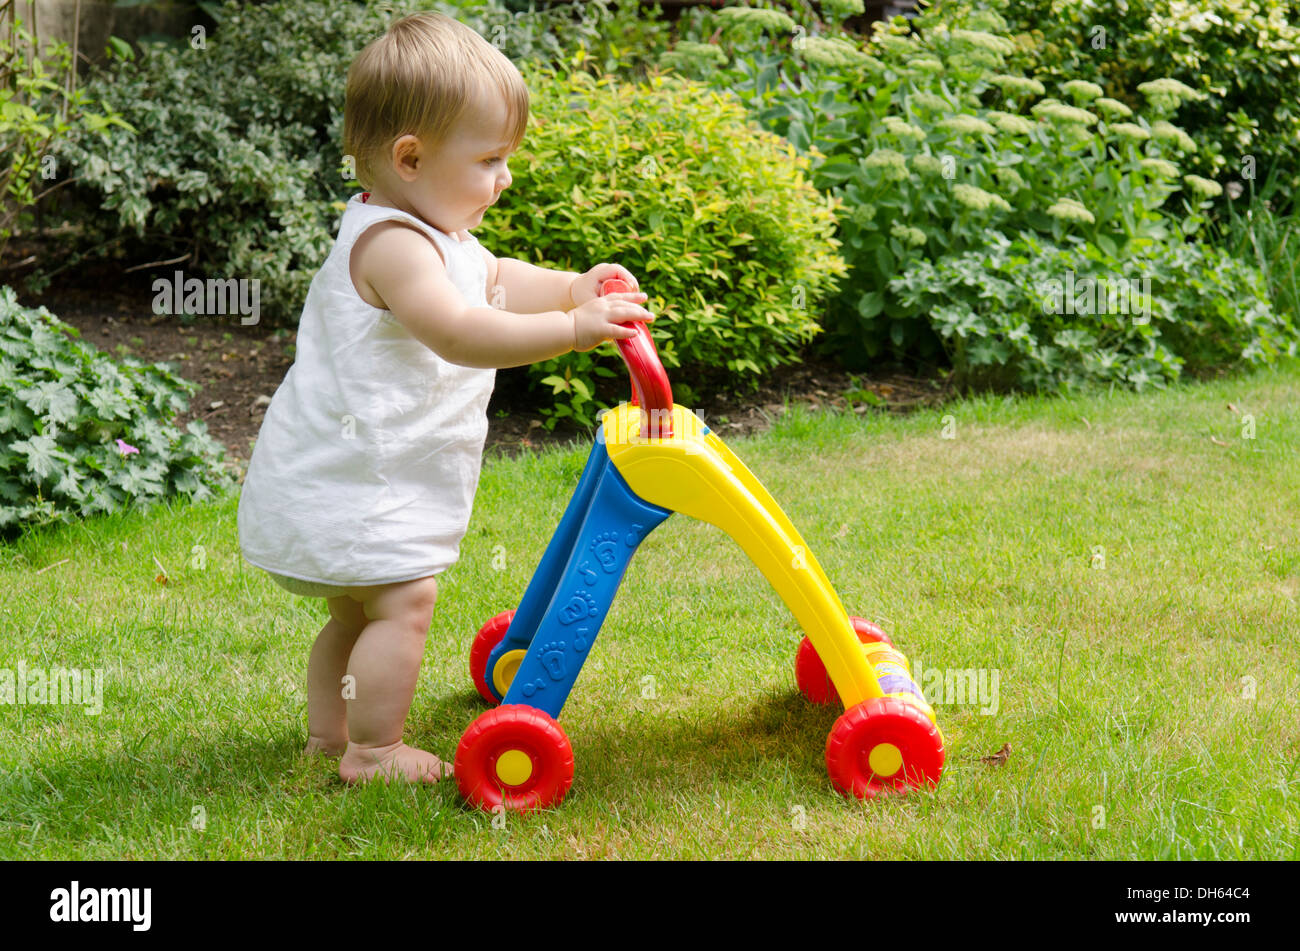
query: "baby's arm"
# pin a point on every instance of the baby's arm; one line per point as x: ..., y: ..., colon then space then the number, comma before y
x: 407, y: 273
x: 528, y: 289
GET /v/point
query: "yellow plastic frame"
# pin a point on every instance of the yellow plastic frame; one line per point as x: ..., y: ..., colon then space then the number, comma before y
x: 694, y: 473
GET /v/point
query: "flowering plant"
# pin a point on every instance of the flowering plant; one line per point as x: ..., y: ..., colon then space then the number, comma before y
x: 933, y: 142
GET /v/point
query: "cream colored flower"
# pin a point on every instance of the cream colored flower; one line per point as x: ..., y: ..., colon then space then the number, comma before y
x: 913, y: 236
x: 966, y: 125
x: 1160, y: 166
x: 994, y: 44
x: 978, y: 199
x: 928, y: 100
x: 1017, y: 85
x: 894, y: 44
x: 1082, y: 89
x: 902, y: 129
x: 1168, y: 93
x: 925, y: 64
x: 1067, y: 209
x: 1011, y: 123
x: 1127, y: 130
x: 892, y: 163
x: 773, y: 20
x: 1113, y: 107
x: 1204, y: 187
x: 927, y: 164
x: 1170, y: 132
x: 1008, y: 176
x: 833, y: 51
x: 1063, y: 113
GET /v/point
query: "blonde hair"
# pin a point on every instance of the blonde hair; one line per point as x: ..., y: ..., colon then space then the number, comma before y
x: 420, y: 78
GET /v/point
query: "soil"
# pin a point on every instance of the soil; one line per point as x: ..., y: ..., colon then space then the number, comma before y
x: 240, y: 367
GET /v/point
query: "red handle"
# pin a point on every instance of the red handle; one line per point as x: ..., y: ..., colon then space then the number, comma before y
x: 650, y: 387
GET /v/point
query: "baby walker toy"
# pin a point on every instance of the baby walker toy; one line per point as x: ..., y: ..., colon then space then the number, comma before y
x: 651, y: 458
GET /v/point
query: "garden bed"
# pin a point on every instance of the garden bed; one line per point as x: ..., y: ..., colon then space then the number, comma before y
x: 240, y: 368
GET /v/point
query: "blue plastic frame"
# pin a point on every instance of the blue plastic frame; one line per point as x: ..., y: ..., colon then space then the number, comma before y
x: 574, y: 585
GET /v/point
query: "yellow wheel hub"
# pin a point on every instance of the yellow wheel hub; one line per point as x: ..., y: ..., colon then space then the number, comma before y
x: 885, y: 760
x: 505, y: 670
x: 514, y: 767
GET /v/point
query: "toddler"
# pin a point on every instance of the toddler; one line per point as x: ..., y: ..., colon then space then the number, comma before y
x: 361, y: 481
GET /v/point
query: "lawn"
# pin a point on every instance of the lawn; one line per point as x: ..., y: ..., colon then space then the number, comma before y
x: 1123, y: 568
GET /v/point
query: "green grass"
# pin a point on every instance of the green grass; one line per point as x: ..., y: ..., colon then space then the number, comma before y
x: 1124, y: 690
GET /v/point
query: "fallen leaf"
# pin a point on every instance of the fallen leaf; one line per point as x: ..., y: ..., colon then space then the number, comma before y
x: 161, y: 578
x: 1000, y: 757
x: 1233, y: 409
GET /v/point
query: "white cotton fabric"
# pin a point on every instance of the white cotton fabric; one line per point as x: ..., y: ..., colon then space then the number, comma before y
x: 366, y: 465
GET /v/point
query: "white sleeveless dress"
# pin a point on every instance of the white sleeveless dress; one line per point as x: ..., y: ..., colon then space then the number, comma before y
x: 368, y: 458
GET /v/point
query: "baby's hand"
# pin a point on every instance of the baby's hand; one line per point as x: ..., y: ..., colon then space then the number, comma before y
x: 587, y: 286
x: 598, y: 320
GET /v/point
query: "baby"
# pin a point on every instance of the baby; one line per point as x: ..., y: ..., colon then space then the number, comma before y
x: 363, y: 475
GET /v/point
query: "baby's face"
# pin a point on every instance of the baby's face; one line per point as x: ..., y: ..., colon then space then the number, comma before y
x: 452, y: 186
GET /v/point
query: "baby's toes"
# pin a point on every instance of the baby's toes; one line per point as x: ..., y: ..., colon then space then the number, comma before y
x: 428, y: 768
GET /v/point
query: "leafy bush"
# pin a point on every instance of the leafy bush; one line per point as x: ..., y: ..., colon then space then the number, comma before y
x: 36, y: 109
x: 1267, y: 233
x: 932, y: 141
x: 238, y: 159
x: 81, y: 434
x: 1243, y: 56
x: 714, y: 216
x: 1029, y: 314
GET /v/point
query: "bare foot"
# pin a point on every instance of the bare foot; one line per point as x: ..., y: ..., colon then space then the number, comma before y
x: 319, y: 747
x: 361, y: 764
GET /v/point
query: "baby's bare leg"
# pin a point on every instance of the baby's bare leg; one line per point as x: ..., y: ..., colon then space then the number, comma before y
x: 327, y: 714
x: 386, y: 665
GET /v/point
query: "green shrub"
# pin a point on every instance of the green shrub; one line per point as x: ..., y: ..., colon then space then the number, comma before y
x: 238, y: 160
x: 1266, y: 232
x: 1028, y: 314
x: 80, y: 434
x: 932, y: 141
x: 714, y: 216
x: 37, y: 109
x: 1243, y: 56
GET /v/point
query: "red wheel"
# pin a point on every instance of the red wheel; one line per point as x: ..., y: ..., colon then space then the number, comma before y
x: 515, y: 756
x: 883, y: 745
x: 809, y: 671
x: 867, y: 632
x: 488, y: 637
